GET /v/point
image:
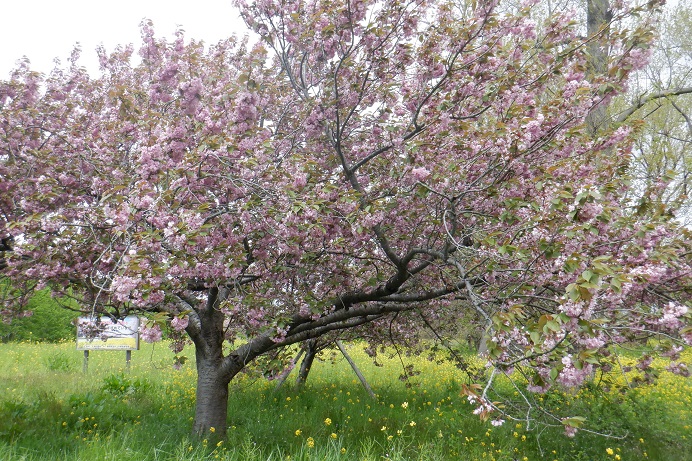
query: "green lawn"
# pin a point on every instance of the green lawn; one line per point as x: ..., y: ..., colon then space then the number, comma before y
x: 50, y: 410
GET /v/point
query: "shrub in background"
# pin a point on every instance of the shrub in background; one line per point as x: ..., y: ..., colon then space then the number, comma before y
x: 49, y: 322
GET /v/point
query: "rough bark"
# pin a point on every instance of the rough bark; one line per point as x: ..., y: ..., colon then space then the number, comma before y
x: 213, y: 378
x: 211, y: 409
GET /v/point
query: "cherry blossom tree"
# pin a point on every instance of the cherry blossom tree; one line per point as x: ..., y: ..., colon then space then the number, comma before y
x: 387, y: 166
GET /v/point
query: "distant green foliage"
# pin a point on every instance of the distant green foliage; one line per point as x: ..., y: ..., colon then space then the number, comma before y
x: 49, y: 322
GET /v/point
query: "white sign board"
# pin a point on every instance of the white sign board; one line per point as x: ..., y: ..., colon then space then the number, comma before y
x: 104, y: 333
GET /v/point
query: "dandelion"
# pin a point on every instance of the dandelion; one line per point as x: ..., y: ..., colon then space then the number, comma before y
x: 333, y: 435
x: 212, y: 429
x: 311, y: 442
x: 298, y: 432
x: 328, y: 422
x: 610, y: 451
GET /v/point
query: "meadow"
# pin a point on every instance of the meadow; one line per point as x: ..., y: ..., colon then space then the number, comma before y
x: 51, y: 410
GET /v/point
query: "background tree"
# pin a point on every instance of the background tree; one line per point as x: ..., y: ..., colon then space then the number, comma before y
x: 385, y: 164
x: 660, y: 95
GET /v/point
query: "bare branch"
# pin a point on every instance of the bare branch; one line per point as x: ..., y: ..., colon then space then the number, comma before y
x: 643, y: 100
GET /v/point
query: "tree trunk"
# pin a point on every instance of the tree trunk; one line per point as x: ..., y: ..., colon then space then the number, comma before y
x: 213, y: 372
x: 597, y: 19
x: 306, y: 364
x: 211, y: 408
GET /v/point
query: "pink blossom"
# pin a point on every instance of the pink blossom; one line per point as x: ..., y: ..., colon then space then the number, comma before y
x: 300, y: 180
x: 151, y: 334
x: 180, y: 323
x: 570, y: 431
x: 420, y: 174
x: 679, y: 368
x: 571, y: 376
x: 672, y: 312
x: 122, y: 286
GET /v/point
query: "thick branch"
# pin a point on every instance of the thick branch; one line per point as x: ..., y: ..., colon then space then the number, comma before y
x: 643, y: 100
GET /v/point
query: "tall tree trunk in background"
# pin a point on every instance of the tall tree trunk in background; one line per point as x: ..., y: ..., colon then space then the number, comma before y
x: 598, y: 16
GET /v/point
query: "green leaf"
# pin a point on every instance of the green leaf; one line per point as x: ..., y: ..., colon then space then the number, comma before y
x: 535, y: 336
x: 553, y: 325
x: 574, y: 421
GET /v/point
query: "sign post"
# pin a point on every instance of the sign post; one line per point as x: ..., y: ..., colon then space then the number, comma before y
x: 106, y: 334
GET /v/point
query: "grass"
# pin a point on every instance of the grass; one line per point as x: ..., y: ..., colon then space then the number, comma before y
x: 52, y: 411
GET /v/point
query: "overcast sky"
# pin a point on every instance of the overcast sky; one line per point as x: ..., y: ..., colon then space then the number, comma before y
x: 45, y: 29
